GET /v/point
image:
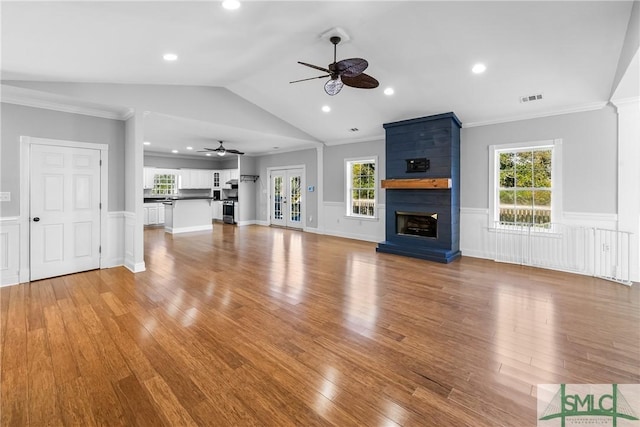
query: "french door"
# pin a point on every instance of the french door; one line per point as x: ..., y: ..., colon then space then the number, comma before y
x: 287, y: 198
x: 64, y: 210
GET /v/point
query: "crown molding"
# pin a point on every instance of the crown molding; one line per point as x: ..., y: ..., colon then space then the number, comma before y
x: 311, y: 146
x: 625, y: 102
x: 578, y: 109
x: 31, y: 101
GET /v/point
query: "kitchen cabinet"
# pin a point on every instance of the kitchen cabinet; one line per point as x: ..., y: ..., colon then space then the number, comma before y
x: 236, y: 213
x: 226, y: 175
x: 216, y: 180
x: 194, y: 178
x: 149, y: 173
x: 153, y: 213
x: 216, y: 210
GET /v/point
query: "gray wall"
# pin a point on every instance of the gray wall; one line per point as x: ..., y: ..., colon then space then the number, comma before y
x: 334, y: 172
x: 247, y: 189
x: 295, y: 158
x: 178, y: 162
x: 589, y: 156
x: 19, y: 121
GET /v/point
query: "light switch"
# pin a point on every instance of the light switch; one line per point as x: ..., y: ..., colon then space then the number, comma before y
x: 5, y: 196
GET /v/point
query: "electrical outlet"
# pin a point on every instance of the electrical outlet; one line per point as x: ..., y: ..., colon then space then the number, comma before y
x: 5, y: 196
x: 310, y: 218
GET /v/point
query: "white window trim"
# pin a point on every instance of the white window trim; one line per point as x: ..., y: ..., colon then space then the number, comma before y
x: 347, y: 190
x: 556, y: 176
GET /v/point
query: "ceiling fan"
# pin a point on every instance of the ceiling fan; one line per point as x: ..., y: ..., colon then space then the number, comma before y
x: 221, y: 151
x: 346, y: 72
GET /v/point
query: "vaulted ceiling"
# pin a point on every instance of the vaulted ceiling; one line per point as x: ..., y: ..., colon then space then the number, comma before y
x: 566, y: 51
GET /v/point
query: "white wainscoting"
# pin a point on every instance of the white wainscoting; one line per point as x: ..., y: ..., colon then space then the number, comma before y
x: 336, y: 223
x: 114, y: 255
x: 129, y: 242
x: 9, y: 251
x: 12, y: 273
x: 479, y: 240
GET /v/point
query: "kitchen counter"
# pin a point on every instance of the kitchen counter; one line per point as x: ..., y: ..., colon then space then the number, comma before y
x: 174, y: 198
x: 187, y: 214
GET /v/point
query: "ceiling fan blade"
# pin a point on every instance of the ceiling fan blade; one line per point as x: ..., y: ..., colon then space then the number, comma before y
x: 333, y: 86
x: 311, y: 78
x: 351, y: 67
x: 362, y: 81
x: 315, y: 66
x: 205, y: 149
x: 234, y: 152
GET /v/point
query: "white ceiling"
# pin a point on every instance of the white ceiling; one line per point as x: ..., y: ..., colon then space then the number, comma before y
x: 568, y: 51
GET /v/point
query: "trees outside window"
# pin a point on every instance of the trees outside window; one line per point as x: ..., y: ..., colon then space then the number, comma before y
x: 525, y: 183
x: 361, y: 181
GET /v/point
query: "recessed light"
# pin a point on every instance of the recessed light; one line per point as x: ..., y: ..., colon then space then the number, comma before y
x: 170, y: 57
x: 479, y: 68
x: 208, y: 154
x: 389, y: 91
x: 146, y: 143
x: 231, y: 4
x: 326, y: 108
x: 189, y: 148
x: 174, y: 151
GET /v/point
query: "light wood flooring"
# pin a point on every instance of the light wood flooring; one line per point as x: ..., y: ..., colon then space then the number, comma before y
x: 273, y: 327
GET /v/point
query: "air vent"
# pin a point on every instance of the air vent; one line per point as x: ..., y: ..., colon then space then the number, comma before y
x: 354, y: 130
x: 530, y: 98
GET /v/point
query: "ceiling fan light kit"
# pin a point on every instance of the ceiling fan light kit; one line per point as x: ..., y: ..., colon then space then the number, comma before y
x: 349, y: 72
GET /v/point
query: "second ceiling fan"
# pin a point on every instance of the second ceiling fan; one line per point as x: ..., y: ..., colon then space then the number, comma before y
x: 348, y: 72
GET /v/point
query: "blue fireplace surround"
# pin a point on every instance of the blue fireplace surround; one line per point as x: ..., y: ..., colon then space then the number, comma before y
x: 436, y: 138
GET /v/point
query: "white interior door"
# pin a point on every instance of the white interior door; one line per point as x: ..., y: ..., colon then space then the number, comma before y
x: 287, y: 198
x: 64, y: 210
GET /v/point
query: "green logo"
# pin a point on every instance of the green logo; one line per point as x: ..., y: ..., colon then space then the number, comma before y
x: 587, y: 404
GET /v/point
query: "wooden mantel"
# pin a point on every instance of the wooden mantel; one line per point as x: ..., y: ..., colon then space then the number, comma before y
x: 417, y: 183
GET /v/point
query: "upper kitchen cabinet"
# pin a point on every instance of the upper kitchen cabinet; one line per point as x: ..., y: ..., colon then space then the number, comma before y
x: 195, y: 178
x: 216, y: 180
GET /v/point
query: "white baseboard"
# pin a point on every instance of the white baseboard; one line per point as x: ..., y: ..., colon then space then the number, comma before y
x: 9, y: 251
x: 135, y: 268
x: 179, y: 230
x: 354, y: 236
x: 243, y: 223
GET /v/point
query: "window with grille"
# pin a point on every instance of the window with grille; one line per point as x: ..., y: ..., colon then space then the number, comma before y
x: 164, y: 184
x: 525, y: 183
x: 361, y: 178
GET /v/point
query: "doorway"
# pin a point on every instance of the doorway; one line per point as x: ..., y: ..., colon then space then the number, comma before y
x: 63, y: 206
x: 287, y: 197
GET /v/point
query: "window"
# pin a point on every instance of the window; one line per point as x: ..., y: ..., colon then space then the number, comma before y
x: 361, y: 181
x: 525, y: 183
x: 164, y: 184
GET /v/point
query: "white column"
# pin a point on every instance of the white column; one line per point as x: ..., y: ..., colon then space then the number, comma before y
x: 320, y: 188
x: 134, y: 190
x: 629, y: 176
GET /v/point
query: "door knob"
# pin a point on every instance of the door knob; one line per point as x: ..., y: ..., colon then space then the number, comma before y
x: 36, y: 219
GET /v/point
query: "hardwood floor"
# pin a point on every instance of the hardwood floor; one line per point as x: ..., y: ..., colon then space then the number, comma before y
x: 272, y: 327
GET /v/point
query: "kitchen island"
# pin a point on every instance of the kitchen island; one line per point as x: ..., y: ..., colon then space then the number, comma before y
x: 187, y: 214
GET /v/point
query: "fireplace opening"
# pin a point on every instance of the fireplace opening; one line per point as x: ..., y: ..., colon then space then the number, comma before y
x: 419, y: 224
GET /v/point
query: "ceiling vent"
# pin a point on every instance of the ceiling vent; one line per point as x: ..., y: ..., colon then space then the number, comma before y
x: 354, y: 130
x: 530, y: 98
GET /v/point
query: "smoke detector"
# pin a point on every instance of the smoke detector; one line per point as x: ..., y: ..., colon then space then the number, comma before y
x: 529, y: 98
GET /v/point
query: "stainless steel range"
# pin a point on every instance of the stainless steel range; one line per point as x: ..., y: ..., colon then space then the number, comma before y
x: 228, y: 211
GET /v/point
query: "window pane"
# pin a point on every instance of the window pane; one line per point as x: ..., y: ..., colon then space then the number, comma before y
x: 542, y: 198
x: 507, y: 197
x: 541, y: 216
x: 506, y: 161
x: 523, y: 169
x: 542, y: 168
x: 524, y: 198
x: 507, y: 178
